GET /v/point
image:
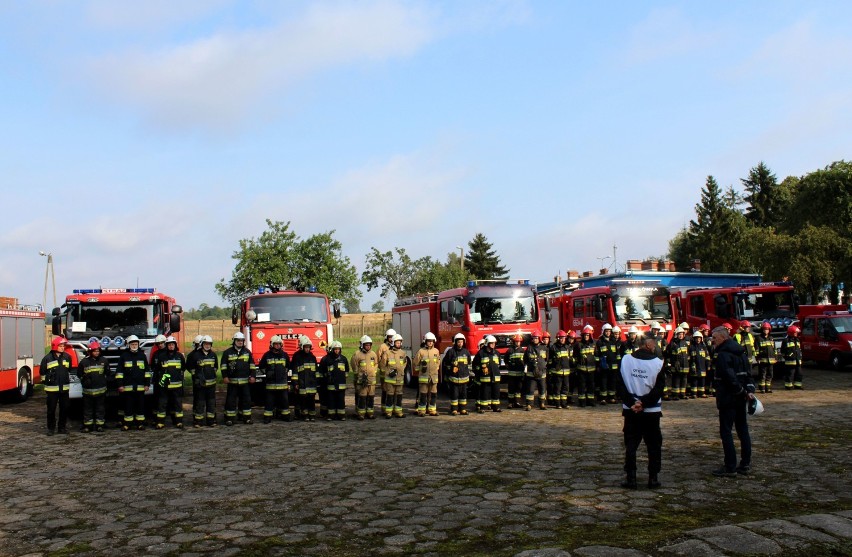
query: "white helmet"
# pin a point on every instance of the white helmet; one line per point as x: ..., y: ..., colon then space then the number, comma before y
x: 390, y: 333
x: 430, y: 336
x: 335, y: 344
x: 276, y: 339
x: 489, y: 339
x: 132, y: 338
x: 170, y: 338
x: 606, y: 327
x: 616, y: 329
x: 396, y: 337
x: 754, y: 407
x: 199, y: 339
x: 366, y: 340
x: 238, y: 336
x: 160, y: 338
x: 206, y: 338
x: 458, y: 336
x: 697, y: 334
x: 654, y: 325
x: 304, y: 341
x: 634, y: 330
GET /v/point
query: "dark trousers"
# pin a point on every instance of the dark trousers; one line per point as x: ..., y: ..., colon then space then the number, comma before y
x: 586, y: 386
x: 734, y: 416
x: 458, y: 396
x: 55, y: 399
x: 561, y: 392
x: 337, y: 402
x: 204, y: 403
x: 169, y: 401
x: 516, y: 383
x: 134, y: 407
x: 365, y: 404
x: 309, y: 405
x: 276, y: 399
x: 238, y: 394
x: 764, y: 375
x: 94, y: 410
x: 638, y: 427
x: 533, y: 384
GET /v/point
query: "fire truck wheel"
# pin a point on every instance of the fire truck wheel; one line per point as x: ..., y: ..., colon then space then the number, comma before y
x: 835, y: 362
x: 25, y: 385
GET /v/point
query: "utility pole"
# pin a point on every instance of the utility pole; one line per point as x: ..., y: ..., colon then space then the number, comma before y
x: 48, y: 272
x: 461, y: 257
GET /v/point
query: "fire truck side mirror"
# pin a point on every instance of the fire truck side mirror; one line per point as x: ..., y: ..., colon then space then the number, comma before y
x: 177, y: 309
x: 174, y: 322
x: 336, y: 310
x: 547, y: 304
x: 235, y: 316
x: 56, y: 325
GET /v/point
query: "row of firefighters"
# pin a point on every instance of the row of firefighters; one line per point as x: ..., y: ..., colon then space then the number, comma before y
x: 553, y: 371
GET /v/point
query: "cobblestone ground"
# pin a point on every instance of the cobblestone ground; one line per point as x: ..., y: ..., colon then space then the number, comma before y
x: 493, y: 484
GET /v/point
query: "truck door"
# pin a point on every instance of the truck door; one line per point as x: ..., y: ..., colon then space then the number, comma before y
x: 809, y: 339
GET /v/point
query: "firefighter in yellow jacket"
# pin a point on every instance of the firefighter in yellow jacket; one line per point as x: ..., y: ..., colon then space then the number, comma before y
x: 365, y: 367
x: 384, y: 347
x: 392, y: 367
x: 427, y: 362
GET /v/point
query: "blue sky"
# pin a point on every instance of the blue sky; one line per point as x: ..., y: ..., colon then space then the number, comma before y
x: 141, y: 141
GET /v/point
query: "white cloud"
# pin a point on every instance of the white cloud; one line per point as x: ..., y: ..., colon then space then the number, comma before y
x: 150, y: 14
x: 216, y: 81
x: 666, y: 33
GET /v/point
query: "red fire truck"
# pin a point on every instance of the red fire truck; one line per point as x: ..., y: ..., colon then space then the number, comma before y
x: 622, y: 302
x: 109, y: 316
x: 826, y: 335
x: 288, y: 314
x: 499, y: 308
x: 774, y: 302
x: 21, y: 350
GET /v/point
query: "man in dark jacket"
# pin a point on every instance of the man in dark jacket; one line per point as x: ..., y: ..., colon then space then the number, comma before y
x: 640, y: 387
x: 734, y: 386
x: 56, y: 378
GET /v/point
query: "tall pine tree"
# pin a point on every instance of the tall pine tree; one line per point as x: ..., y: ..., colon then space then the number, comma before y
x: 761, y: 188
x: 718, y: 231
x: 482, y: 262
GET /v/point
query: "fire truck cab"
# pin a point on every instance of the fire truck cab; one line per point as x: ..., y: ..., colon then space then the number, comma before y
x: 288, y: 314
x: 108, y: 316
x: 21, y: 350
x: 827, y: 337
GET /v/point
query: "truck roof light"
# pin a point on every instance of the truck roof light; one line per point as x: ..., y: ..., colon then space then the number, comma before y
x: 471, y: 283
x: 312, y: 289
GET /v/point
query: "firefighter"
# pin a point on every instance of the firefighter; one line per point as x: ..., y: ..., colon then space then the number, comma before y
x: 546, y: 341
x: 704, y: 329
x: 746, y: 339
x: 304, y: 365
x: 560, y: 358
x: 56, y: 378
x: 392, y: 364
x: 384, y: 347
x: 196, y: 342
x: 335, y: 369
x: 791, y: 353
x: 202, y: 364
x: 606, y: 355
x: 133, y: 375
x: 630, y: 345
x: 238, y: 370
x: 93, y: 371
x: 677, y: 356
x: 365, y: 367
x: 486, y: 365
x: 766, y: 358
x: 456, y: 369
x: 275, y: 364
x: 514, y: 358
x: 699, y: 362
x: 535, y: 359
x: 169, y: 371
x: 656, y: 332
x: 427, y: 362
x: 613, y: 378
x: 159, y: 344
x: 584, y: 357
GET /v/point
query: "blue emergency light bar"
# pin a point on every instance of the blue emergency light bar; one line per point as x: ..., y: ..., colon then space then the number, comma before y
x: 113, y: 290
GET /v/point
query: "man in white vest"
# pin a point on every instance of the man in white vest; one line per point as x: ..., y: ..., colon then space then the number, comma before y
x: 640, y: 387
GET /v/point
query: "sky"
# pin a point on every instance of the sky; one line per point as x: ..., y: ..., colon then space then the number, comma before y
x: 140, y: 141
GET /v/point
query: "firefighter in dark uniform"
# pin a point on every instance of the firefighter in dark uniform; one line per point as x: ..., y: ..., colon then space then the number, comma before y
x: 427, y: 362
x: 699, y: 362
x: 456, y: 370
x: 560, y: 367
x: 547, y: 343
x: 746, y: 339
x: 677, y: 355
x: 202, y: 364
x: 238, y: 370
x: 631, y: 344
x: 791, y: 353
x: 587, y: 363
x: 304, y: 365
x: 169, y: 366
x: 56, y: 378
x: 656, y: 332
x: 514, y: 358
x: 704, y: 329
x: 335, y: 368
x: 606, y: 354
x: 275, y: 365
x: 766, y: 358
x: 614, y: 372
x: 486, y: 365
x: 133, y: 375
x: 535, y: 359
x: 365, y: 367
x: 93, y: 371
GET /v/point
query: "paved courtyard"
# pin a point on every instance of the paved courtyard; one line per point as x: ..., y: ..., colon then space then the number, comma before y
x: 493, y: 484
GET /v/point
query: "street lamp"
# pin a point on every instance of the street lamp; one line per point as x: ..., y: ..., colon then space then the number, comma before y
x: 461, y: 256
x: 48, y: 270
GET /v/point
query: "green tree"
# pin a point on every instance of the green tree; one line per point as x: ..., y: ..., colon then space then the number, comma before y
x: 391, y: 273
x: 378, y: 307
x: 718, y: 235
x: 481, y: 261
x: 762, y: 196
x: 352, y: 305
x: 435, y: 276
x: 279, y: 258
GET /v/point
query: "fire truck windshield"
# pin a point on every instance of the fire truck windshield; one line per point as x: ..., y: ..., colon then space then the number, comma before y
x: 643, y: 303
x: 290, y: 308
x: 765, y: 305
x: 115, y: 319
x: 511, y: 306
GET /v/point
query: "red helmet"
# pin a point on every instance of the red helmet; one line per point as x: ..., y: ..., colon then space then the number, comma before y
x: 561, y: 334
x: 766, y: 325
x: 57, y: 342
x: 745, y: 324
x: 536, y: 334
x: 728, y: 326
x: 588, y: 329
x: 518, y: 337
x: 94, y: 345
x: 792, y: 330
x: 545, y: 334
x: 704, y: 327
x: 572, y: 334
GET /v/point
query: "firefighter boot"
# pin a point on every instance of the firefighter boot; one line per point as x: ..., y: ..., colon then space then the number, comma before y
x: 630, y: 481
x: 197, y: 423
x: 653, y: 482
